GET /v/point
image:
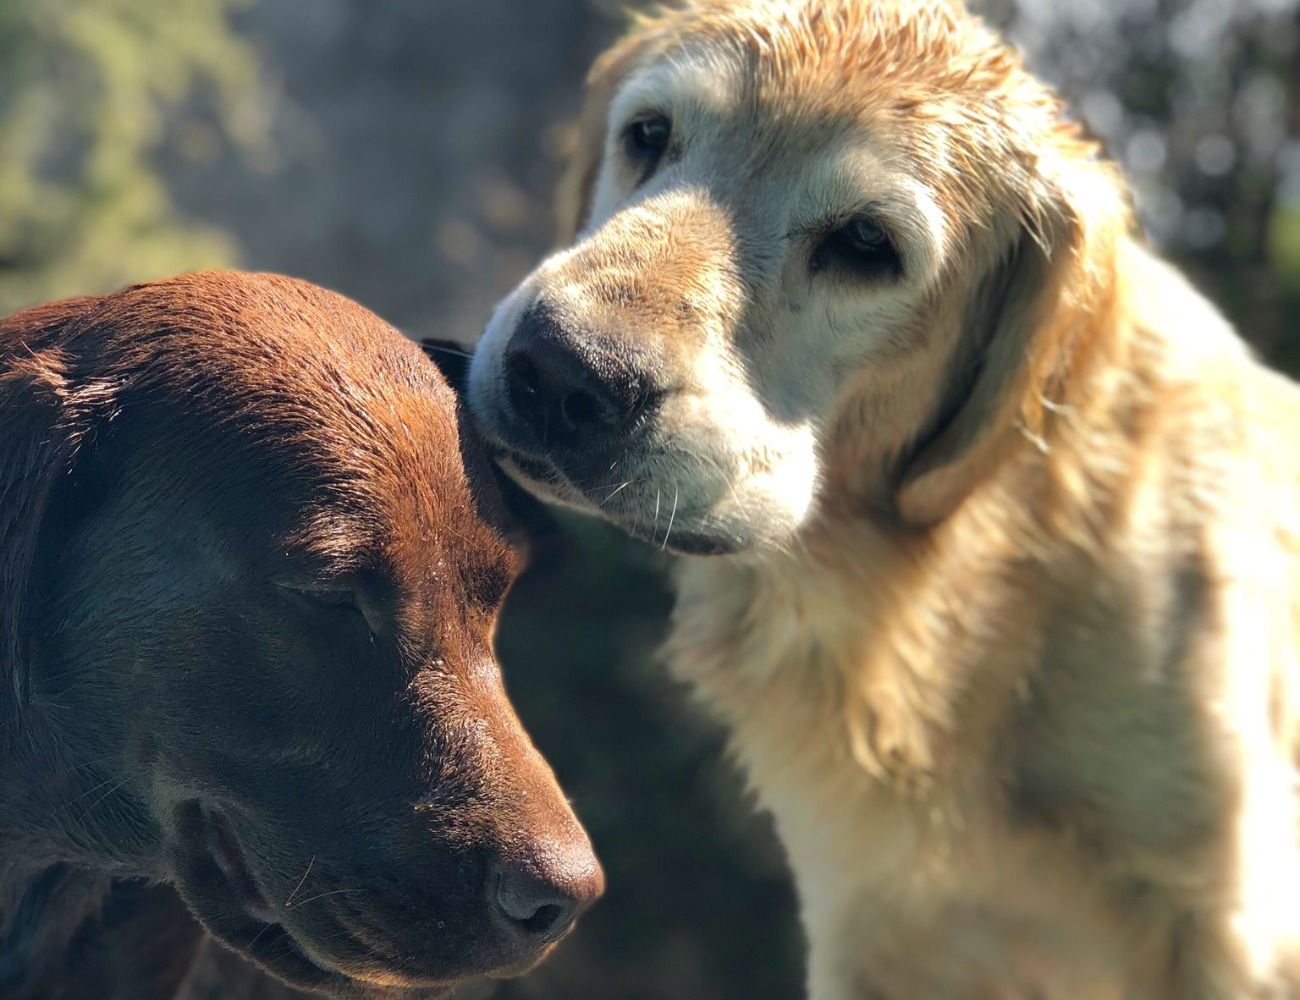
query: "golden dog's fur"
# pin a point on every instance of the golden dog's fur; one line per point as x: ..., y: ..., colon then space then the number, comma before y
x: 1006, y: 615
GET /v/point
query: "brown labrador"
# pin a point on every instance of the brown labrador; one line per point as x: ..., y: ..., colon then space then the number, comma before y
x: 249, y: 575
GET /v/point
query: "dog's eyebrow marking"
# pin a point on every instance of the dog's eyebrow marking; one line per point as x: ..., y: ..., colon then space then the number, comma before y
x: 932, y: 219
x: 820, y: 225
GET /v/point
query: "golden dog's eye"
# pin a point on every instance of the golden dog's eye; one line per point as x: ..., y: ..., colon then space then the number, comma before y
x: 646, y: 140
x: 860, y: 248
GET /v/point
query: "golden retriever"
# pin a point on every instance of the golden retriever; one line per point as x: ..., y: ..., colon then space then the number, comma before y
x: 990, y: 522
x: 249, y: 576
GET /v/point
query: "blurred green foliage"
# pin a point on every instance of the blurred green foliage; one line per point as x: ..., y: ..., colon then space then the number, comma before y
x: 87, y: 89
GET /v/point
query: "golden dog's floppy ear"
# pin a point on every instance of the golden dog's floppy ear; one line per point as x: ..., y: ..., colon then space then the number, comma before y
x: 38, y: 438
x: 578, y: 184
x: 1013, y: 318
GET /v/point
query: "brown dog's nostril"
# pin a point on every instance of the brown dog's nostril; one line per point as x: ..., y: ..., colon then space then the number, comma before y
x: 539, y: 906
x: 536, y: 907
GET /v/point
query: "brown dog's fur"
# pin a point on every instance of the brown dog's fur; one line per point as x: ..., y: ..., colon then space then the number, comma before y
x: 1003, y: 600
x: 248, y: 584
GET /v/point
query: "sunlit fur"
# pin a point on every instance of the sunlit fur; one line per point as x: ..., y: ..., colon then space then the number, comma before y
x: 1009, y: 641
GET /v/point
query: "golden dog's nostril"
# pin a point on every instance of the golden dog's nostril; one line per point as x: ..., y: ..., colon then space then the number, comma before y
x: 524, y: 373
x: 580, y: 408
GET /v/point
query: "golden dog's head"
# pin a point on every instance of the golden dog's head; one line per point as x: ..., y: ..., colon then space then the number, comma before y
x: 821, y: 252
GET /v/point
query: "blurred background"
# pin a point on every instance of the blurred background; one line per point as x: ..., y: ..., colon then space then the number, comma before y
x: 404, y: 153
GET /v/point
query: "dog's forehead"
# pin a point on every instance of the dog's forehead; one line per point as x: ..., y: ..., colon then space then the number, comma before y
x: 413, y: 471
x: 913, y: 112
x: 411, y: 516
x: 317, y: 401
x: 928, y: 82
x: 823, y: 57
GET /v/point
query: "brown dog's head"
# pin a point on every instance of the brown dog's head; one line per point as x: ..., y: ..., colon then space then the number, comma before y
x: 819, y: 248
x: 249, y: 592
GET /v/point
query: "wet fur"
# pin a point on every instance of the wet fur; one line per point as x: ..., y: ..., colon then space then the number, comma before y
x: 1021, y: 684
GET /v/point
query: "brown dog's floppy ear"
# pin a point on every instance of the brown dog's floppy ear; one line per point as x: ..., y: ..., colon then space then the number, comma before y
x: 993, y: 371
x: 38, y: 437
x: 577, y: 186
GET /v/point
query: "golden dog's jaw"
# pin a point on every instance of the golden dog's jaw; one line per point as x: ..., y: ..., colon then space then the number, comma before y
x: 662, y: 518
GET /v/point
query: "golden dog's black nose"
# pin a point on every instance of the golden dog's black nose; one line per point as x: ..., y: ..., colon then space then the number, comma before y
x: 564, y: 388
x: 538, y: 899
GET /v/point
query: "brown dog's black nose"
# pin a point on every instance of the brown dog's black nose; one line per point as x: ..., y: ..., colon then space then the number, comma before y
x: 537, y: 900
x: 563, y: 388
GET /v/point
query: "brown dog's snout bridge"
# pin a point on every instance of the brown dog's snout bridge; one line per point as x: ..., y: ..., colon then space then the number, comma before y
x: 565, y: 388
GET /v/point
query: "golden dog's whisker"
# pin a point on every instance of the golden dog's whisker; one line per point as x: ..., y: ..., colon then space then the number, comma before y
x: 258, y: 936
x: 671, y: 517
x: 88, y: 792
x: 621, y: 487
x: 615, y: 492
x: 440, y: 349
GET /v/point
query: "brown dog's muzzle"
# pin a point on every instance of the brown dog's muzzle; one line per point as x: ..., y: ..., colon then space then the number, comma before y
x: 414, y: 911
x: 447, y: 853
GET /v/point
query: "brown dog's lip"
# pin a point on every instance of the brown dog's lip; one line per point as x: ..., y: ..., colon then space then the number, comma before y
x: 215, y: 869
x: 219, y: 888
x: 229, y: 857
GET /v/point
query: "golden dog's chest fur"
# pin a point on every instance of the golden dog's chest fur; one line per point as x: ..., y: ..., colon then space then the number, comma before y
x: 1010, y: 763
